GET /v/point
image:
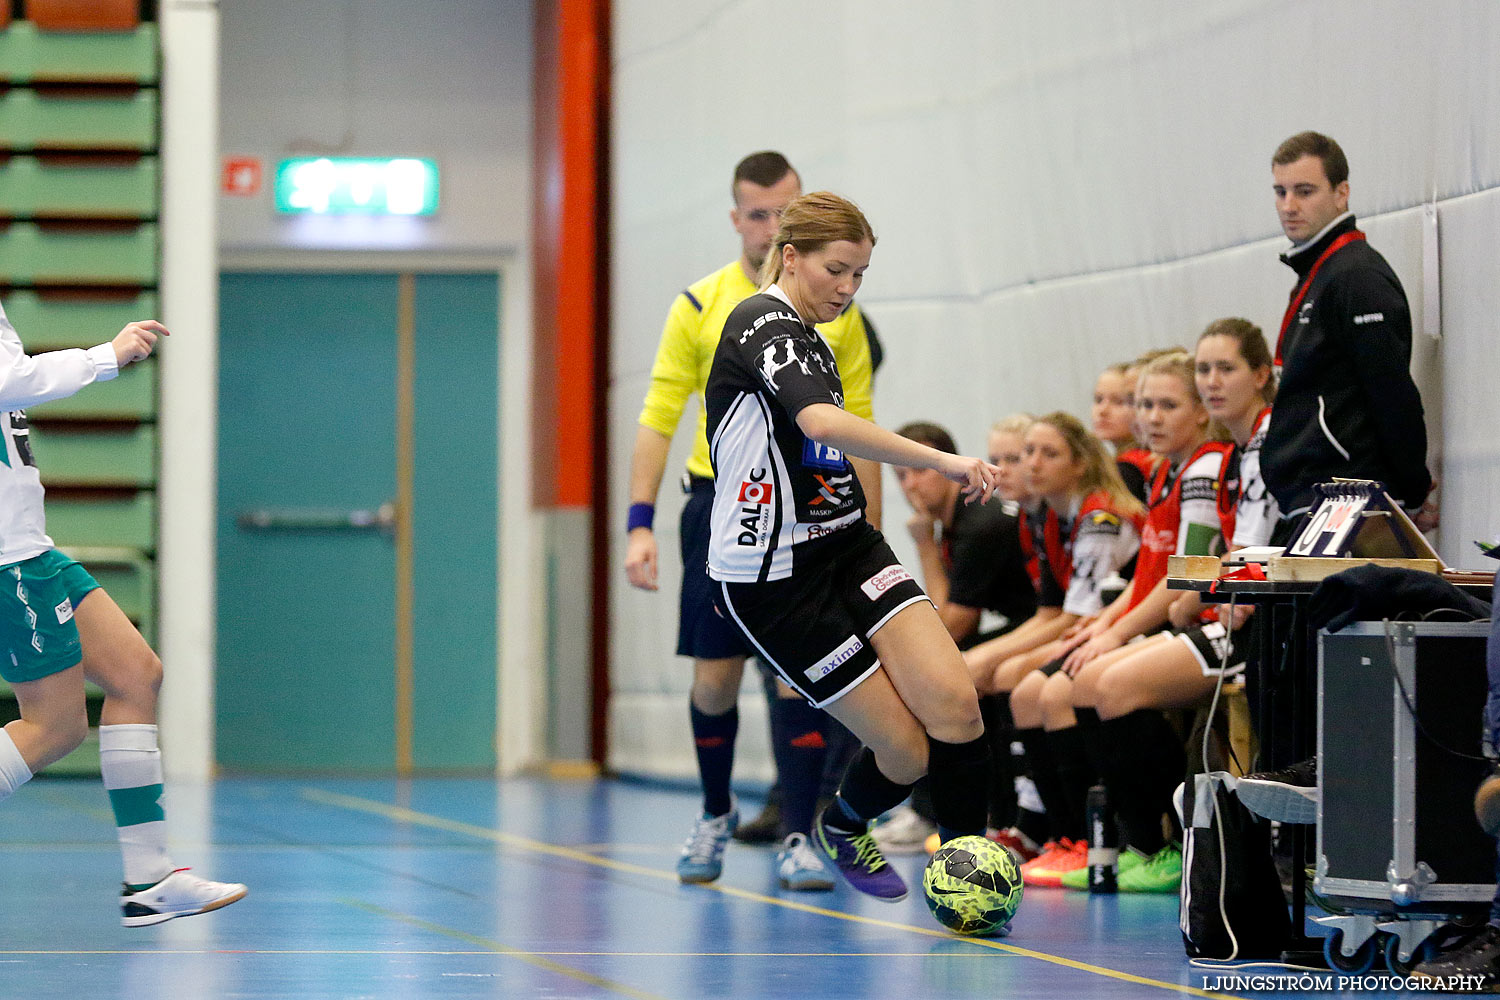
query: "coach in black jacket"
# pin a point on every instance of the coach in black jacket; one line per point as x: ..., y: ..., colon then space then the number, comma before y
x: 1347, y: 405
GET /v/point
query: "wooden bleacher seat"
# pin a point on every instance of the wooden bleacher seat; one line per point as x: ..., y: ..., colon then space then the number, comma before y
x: 51, y: 320
x: 107, y: 518
x: 103, y: 456
x: 65, y: 121
x: 129, y: 397
x: 29, y: 56
x: 78, y: 187
x: 84, y: 15
x: 34, y: 253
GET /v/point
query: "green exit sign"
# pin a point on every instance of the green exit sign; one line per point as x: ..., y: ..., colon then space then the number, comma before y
x: 344, y: 185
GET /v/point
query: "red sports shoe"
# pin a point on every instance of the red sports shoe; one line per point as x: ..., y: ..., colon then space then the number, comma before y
x: 1020, y: 846
x: 1063, y: 855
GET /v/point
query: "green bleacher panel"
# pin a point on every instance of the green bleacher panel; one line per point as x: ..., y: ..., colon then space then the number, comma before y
x: 49, y: 322
x: 64, y: 120
x: 79, y: 517
x: 33, y: 254
x: 129, y: 396
x: 128, y: 576
x: 31, y: 56
x: 95, y: 456
x: 38, y: 188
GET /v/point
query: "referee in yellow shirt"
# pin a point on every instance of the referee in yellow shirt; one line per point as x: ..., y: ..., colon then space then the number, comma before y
x: 764, y: 184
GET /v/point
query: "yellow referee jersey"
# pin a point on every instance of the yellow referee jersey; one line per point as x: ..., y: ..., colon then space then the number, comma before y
x: 691, y: 336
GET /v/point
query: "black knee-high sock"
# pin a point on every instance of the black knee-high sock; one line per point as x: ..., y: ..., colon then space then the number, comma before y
x: 1074, y: 776
x: 1093, y: 740
x: 998, y: 727
x: 799, y: 748
x: 1048, y: 784
x: 956, y: 773
x: 864, y: 794
x: 842, y: 746
x: 713, y: 738
x: 1146, y: 763
x: 768, y: 684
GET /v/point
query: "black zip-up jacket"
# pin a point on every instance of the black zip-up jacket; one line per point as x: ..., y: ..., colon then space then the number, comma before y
x: 1347, y: 405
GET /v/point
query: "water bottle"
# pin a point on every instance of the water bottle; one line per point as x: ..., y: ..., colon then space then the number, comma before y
x: 1104, y: 847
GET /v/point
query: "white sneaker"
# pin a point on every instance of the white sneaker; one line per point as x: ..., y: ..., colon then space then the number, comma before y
x: 177, y: 895
x: 798, y: 866
x: 904, y: 832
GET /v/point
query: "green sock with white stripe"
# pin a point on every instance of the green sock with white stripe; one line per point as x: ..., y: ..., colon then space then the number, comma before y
x: 130, y: 763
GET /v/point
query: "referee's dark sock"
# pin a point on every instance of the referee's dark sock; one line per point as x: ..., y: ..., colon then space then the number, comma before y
x: 864, y: 794
x: 799, y: 748
x: 998, y: 731
x: 713, y: 738
x: 959, y: 776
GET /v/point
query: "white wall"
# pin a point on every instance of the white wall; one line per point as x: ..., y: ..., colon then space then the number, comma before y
x: 1054, y: 187
x: 449, y: 79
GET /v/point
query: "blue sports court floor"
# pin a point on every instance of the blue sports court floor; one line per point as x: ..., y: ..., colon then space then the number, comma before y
x: 519, y: 888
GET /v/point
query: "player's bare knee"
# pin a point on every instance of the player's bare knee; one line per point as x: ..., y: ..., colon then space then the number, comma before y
x: 902, y: 754
x: 1056, y: 694
x: 1112, y: 696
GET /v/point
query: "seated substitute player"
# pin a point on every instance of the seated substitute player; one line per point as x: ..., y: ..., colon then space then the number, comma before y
x: 971, y: 563
x: 1139, y: 754
x: 58, y: 627
x: 812, y: 585
x: 1183, y: 519
x: 763, y: 184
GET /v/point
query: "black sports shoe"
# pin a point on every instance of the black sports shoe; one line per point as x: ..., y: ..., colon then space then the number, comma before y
x: 1289, y: 795
x: 1472, y: 967
x: 765, y: 828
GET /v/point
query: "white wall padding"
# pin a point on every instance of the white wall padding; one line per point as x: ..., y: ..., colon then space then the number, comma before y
x: 1054, y: 187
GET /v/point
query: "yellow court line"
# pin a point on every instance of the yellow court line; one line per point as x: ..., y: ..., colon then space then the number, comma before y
x: 487, y: 951
x: 404, y: 815
x: 530, y: 958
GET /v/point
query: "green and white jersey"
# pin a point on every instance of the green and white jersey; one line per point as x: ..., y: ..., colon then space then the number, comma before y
x: 26, y: 381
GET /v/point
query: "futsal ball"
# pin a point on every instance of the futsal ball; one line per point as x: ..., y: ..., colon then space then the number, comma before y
x: 973, y: 885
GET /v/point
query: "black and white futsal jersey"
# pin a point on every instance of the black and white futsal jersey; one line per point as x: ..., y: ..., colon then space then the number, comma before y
x: 780, y: 495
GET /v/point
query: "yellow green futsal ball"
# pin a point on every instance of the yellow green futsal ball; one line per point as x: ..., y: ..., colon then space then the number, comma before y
x: 973, y: 885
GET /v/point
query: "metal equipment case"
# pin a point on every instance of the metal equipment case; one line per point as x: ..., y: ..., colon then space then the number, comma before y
x: 1397, y: 843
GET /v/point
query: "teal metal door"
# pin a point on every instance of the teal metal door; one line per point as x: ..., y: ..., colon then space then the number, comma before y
x: 356, y: 523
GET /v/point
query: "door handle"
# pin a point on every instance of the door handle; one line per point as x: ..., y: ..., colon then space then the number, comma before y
x: 381, y: 519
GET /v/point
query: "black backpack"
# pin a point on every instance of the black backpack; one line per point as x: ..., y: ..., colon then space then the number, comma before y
x: 1238, y: 881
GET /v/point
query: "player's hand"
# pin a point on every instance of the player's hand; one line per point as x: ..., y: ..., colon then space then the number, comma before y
x: 640, y: 559
x: 136, y: 341
x: 1427, y: 519
x: 976, y: 477
x: 1184, y: 611
x: 1089, y: 652
x: 1242, y: 613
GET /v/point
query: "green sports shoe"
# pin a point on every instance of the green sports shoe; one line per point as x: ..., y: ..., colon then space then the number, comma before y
x: 1079, y: 877
x: 1162, y: 872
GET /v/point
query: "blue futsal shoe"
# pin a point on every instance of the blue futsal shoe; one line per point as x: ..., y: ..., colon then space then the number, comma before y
x: 703, y: 853
x: 858, y: 859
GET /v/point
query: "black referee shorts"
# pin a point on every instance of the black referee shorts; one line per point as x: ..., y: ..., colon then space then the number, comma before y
x: 702, y: 632
x: 814, y: 628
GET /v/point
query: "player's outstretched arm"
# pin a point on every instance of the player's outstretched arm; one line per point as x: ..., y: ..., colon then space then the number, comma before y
x: 27, y: 380
x: 828, y: 424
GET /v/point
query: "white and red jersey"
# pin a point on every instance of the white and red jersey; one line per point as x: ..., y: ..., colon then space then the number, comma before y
x: 27, y: 381
x: 1254, y: 513
x: 1183, y: 516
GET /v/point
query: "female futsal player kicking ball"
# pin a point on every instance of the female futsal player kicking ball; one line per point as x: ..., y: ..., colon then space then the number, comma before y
x: 58, y: 628
x: 813, y: 586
